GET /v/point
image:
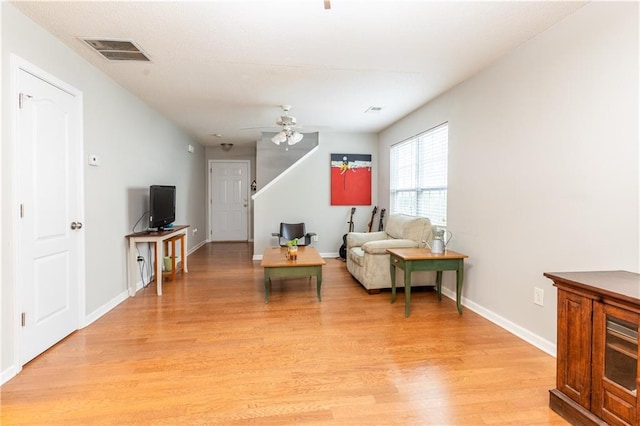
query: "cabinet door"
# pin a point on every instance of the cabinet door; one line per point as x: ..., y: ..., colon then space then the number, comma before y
x: 615, y: 364
x: 573, y: 374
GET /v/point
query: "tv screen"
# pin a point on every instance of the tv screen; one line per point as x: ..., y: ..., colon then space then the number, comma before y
x: 162, y: 206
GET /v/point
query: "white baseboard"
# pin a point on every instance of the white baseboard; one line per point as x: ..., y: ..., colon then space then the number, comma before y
x: 9, y: 374
x: 196, y: 247
x: 526, y: 335
x: 330, y: 255
x: 93, y: 316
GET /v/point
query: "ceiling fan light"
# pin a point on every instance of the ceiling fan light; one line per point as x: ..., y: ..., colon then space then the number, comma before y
x: 279, y: 138
x: 295, y: 138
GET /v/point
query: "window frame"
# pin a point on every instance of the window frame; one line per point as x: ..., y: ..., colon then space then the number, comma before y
x: 422, y: 173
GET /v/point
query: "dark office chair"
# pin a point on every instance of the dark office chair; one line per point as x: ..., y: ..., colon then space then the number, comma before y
x: 290, y: 231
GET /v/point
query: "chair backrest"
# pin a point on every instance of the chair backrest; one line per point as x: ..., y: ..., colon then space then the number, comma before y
x: 289, y: 231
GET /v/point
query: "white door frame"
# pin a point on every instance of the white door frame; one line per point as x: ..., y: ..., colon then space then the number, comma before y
x: 249, y: 200
x: 16, y: 65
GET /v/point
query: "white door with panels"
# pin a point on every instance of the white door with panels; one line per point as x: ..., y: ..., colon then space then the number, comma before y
x: 229, y: 200
x: 49, y: 192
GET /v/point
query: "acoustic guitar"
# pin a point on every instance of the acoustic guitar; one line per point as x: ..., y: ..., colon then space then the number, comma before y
x: 343, y: 248
x: 373, y: 214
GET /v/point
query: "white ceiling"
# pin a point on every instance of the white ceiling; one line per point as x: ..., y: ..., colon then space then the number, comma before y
x: 222, y: 66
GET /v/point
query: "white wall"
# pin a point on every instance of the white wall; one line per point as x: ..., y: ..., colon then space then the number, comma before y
x: 543, y: 164
x: 303, y: 195
x: 137, y: 148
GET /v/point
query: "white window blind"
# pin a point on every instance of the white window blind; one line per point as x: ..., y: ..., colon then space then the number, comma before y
x: 419, y: 175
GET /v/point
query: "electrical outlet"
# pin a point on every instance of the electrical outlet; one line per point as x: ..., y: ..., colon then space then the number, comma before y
x: 538, y: 296
x: 314, y: 238
x: 194, y: 231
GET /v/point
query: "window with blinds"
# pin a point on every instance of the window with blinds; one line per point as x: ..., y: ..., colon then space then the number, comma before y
x: 419, y: 175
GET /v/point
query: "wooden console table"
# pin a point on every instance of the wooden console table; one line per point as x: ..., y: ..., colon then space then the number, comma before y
x: 421, y: 259
x: 158, y: 238
x: 597, y: 350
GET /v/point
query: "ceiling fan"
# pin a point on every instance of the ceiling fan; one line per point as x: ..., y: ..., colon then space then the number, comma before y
x: 287, y: 134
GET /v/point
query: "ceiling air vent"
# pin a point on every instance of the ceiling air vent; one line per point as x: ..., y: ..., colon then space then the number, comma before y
x: 117, y: 50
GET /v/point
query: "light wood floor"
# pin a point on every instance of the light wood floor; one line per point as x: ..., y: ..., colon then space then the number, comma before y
x: 210, y: 351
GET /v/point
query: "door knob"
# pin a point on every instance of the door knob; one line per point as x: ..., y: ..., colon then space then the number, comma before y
x: 76, y: 225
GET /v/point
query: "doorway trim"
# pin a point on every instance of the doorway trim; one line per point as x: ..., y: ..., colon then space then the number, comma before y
x: 18, y: 64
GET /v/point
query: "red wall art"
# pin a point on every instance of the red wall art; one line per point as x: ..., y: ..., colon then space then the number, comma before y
x: 350, y: 179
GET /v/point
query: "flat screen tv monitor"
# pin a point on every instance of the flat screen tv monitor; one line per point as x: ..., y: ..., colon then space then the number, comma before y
x: 162, y: 206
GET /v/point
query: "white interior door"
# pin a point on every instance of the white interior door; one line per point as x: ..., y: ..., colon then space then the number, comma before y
x: 229, y: 200
x: 50, y: 252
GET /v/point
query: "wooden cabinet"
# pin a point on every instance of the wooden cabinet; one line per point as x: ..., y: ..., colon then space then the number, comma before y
x: 597, y: 347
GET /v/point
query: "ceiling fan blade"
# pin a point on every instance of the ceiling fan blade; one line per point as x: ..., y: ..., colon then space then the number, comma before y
x: 267, y: 128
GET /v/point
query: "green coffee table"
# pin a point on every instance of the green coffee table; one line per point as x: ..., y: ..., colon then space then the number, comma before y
x: 276, y: 265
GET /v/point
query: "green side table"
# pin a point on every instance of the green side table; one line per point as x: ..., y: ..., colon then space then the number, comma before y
x: 421, y: 259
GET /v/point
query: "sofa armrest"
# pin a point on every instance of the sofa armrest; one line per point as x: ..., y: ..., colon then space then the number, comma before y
x: 356, y: 239
x: 380, y: 247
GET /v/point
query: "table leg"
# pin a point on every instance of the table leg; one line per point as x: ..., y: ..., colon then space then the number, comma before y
x: 392, y: 268
x: 267, y: 285
x: 459, y: 278
x: 407, y: 289
x: 183, y: 251
x: 173, y: 255
x: 159, y: 262
x: 133, y: 266
x: 439, y: 284
x: 319, y: 281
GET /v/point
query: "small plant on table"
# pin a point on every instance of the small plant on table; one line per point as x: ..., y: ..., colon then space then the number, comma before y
x: 292, y: 249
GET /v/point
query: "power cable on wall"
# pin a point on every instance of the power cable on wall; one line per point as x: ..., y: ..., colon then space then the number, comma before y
x: 133, y: 230
x: 141, y: 260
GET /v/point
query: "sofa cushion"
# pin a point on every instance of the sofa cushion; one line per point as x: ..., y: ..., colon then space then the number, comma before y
x: 381, y: 246
x: 359, y: 238
x: 408, y: 227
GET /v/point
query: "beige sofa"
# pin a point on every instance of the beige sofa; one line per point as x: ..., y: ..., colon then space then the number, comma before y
x: 367, y: 257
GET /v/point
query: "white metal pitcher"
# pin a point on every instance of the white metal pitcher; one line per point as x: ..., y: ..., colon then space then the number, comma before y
x: 441, y: 238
